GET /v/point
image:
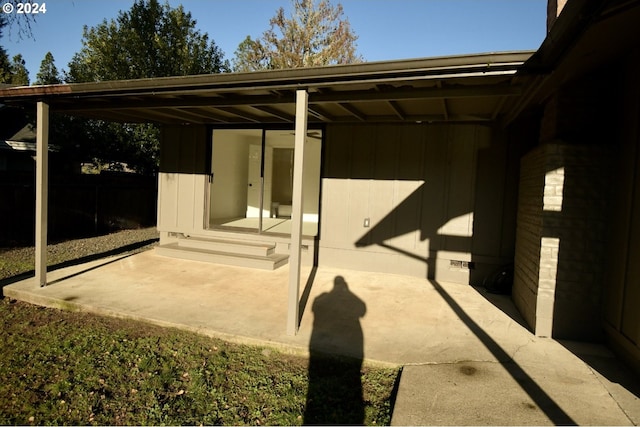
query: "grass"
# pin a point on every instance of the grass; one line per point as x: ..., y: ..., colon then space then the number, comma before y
x: 58, y: 367
x: 17, y: 261
x: 61, y: 367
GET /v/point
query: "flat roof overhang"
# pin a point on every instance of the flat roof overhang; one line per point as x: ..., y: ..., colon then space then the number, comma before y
x: 469, y: 88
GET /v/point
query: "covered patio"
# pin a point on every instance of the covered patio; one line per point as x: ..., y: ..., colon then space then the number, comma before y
x: 437, y: 169
x: 404, y: 318
x: 474, y: 91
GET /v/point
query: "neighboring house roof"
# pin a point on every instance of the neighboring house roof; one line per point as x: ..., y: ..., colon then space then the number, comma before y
x: 26, y: 134
x: 23, y: 140
x: 469, y: 88
x: 17, y: 146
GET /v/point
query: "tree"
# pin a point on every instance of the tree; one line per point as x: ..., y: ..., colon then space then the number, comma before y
x: 149, y: 40
x: 19, y: 73
x: 5, y: 66
x: 250, y: 56
x: 314, y: 35
x: 11, y: 72
x: 48, y: 74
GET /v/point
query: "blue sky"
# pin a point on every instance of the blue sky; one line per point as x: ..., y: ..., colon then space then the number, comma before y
x: 386, y: 29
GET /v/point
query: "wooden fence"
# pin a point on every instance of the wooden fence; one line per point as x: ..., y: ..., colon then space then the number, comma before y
x: 79, y: 205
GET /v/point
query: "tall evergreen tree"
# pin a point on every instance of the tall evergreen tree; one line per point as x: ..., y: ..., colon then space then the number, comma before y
x: 48, y: 74
x: 19, y: 73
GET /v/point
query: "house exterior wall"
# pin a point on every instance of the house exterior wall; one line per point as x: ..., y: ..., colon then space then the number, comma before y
x: 183, y: 191
x: 622, y: 284
x: 434, y: 197
x: 572, y: 259
x: 182, y: 178
x: 561, y: 239
x: 437, y: 197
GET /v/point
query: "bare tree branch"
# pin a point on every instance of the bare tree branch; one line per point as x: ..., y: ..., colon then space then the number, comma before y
x: 21, y: 23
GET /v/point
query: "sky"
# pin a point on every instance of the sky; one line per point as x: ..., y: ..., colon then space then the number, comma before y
x: 386, y: 29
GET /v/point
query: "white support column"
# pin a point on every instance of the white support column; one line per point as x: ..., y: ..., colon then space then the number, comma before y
x: 302, y: 103
x: 42, y: 191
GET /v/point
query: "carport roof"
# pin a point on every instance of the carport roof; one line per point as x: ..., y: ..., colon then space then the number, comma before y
x: 470, y: 88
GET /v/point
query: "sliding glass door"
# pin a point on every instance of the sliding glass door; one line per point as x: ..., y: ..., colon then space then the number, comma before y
x: 251, y: 182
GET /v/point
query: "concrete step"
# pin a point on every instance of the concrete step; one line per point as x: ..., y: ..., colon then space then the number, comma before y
x: 267, y: 262
x: 241, y: 247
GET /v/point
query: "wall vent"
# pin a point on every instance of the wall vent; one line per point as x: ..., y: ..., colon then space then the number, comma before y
x: 470, y: 265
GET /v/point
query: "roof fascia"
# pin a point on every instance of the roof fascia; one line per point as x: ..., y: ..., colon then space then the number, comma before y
x: 386, y: 71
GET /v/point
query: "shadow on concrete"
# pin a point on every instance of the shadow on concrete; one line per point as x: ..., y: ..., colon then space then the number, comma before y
x: 304, y: 298
x: 417, y: 213
x: 503, y: 303
x: 537, y: 394
x: 94, y: 257
x: 605, y: 363
x: 334, y: 395
x: 86, y: 270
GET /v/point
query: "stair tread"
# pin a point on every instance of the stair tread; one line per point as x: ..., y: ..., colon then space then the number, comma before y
x: 228, y: 242
x: 176, y: 246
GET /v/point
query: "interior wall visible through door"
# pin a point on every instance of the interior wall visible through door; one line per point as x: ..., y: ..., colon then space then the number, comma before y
x: 252, y: 179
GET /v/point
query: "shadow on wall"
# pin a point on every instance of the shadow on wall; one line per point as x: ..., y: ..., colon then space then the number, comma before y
x: 413, y: 214
x: 403, y: 219
x: 436, y: 194
x: 335, y: 387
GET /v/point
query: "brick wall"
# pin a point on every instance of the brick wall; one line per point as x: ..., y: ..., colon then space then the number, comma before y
x: 560, y: 239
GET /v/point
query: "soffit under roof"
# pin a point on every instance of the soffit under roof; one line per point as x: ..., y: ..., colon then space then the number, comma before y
x: 468, y: 88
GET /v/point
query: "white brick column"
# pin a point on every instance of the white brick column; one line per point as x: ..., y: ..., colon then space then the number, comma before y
x: 560, y: 237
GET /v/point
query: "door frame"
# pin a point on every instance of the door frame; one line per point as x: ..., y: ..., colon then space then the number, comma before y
x: 211, y: 174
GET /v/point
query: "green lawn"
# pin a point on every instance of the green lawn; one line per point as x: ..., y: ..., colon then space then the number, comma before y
x: 59, y: 367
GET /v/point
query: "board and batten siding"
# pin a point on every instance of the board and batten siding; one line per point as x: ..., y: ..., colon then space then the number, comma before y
x: 184, y: 168
x: 432, y: 194
x: 422, y: 188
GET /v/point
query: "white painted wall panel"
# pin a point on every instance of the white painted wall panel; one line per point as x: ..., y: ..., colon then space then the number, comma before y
x: 167, y: 195
x: 186, y: 201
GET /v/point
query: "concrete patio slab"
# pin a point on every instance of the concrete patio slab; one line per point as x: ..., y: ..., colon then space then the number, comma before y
x: 467, y: 358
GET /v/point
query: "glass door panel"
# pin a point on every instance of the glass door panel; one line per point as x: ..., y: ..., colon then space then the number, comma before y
x: 311, y: 183
x: 278, y: 181
x: 235, y: 186
x: 252, y: 181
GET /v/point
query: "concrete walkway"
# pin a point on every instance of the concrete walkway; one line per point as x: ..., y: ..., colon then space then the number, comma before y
x: 467, y: 358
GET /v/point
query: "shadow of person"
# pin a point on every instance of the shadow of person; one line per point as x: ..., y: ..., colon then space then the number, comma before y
x: 334, y: 395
